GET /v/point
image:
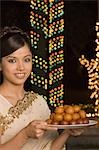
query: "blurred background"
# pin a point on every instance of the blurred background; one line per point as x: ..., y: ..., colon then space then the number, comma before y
x: 80, y: 19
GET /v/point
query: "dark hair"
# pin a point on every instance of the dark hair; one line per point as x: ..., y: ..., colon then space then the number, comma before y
x: 11, y: 39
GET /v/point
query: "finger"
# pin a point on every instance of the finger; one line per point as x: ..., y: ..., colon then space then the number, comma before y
x: 41, y: 126
x: 79, y: 130
x: 38, y: 131
x: 38, y: 135
x: 51, y: 128
x: 46, y: 127
x: 76, y: 132
x: 35, y: 122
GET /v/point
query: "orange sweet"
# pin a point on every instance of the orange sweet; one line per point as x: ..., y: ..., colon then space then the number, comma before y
x: 58, y: 117
x: 76, y: 108
x: 75, y: 116
x: 68, y: 114
x: 59, y: 110
x: 69, y: 110
x: 82, y: 114
x: 67, y: 117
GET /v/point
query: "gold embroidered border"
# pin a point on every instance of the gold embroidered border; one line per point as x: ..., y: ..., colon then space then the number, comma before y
x: 16, y: 111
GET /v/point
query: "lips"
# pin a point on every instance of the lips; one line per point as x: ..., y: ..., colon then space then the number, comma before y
x: 20, y: 75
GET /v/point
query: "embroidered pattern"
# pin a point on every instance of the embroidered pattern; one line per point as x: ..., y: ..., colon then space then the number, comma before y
x: 16, y: 111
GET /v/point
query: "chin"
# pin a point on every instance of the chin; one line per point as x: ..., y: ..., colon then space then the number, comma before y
x: 19, y: 83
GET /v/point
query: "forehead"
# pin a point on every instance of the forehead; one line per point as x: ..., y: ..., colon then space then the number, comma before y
x: 25, y: 50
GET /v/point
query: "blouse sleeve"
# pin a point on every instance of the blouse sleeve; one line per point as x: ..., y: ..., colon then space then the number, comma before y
x: 40, y: 109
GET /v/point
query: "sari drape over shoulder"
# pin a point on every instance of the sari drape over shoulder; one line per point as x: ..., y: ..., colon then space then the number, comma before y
x: 14, y: 118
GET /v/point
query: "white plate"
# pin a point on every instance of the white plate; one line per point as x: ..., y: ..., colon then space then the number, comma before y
x: 91, y: 123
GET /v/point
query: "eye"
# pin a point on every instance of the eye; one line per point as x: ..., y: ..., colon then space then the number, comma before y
x: 11, y: 60
x: 27, y: 59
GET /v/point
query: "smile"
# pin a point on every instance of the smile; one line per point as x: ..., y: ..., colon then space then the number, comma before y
x: 20, y: 75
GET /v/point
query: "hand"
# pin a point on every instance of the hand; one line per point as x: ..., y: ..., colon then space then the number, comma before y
x: 37, y: 128
x: 76, y: 132
x: 73, y: 132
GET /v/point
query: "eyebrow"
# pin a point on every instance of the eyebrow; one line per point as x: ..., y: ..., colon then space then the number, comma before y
x: 16, y: 57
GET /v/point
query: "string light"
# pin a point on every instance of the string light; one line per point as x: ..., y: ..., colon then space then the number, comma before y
x: 47, y: 16
x: 93, y: 74
x: 39, y: 22
x: 56, y: 53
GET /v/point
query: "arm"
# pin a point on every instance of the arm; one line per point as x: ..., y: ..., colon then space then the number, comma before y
x: 60, y: 141
x: 34, y: 130
x: 16, y: 143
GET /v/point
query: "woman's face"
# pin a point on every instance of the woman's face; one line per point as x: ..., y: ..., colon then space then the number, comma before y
x: 17, y: 66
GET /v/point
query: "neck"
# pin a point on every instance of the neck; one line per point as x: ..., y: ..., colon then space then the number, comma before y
x: 9, y: 90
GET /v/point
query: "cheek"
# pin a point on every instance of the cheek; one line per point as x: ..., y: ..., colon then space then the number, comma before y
x: 5, y: 69
x: 29, y: 68
x: 8, y: 70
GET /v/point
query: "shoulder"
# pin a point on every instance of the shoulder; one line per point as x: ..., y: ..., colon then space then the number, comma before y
x: 36, y: 97
x: 4, y: 105
x: 33, y: 95
x: 40, y: 105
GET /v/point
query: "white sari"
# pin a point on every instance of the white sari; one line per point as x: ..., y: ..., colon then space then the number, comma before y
x: 14, y: 119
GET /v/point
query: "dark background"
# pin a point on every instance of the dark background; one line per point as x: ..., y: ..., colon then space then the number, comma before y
x: 15, y: 13
x: 80, y: 18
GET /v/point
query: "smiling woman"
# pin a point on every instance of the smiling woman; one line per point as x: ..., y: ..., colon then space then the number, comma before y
x: 23, y: 114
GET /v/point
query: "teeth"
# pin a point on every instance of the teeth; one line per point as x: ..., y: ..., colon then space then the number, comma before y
x: 20, y: 75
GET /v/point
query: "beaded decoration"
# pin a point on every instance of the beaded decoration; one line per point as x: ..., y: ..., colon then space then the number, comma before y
x: 15, y: 111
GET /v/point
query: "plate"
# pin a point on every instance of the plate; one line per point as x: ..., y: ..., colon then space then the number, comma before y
x: 91, y: 123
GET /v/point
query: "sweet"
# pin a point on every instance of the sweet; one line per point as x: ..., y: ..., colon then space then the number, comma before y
x: 68, y: 114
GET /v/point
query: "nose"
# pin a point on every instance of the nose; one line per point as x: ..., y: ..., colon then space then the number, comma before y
x: 20, y: 66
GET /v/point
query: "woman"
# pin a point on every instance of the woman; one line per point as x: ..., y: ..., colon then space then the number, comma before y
x: 23, y: 114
